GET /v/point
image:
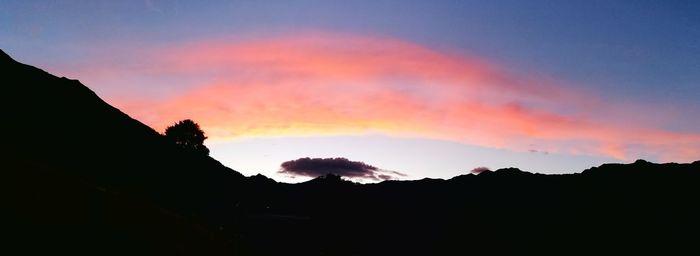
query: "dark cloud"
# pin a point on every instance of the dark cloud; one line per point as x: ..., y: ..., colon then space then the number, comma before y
x: 314, y: 167
x: 478, y: 170
x: 384, y: 177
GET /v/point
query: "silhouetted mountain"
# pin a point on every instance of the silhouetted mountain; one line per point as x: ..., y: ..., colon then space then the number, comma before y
x: 57, y: 129
x: 261, y: 179
x: 81, y: 177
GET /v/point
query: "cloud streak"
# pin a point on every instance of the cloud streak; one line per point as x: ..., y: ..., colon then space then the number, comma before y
x: 336, y: 84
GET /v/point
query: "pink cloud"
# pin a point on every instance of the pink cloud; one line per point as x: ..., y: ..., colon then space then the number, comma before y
x: 323, y: 84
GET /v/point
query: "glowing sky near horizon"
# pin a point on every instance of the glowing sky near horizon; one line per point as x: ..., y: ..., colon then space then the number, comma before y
x: 430, y: 89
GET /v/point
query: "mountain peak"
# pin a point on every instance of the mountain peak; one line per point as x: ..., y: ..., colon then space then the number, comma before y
x: 5, y: 57
x: 641, y: 162
x: 510, y: 170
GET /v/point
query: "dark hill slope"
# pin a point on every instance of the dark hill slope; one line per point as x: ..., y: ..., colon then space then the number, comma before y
x: 65, y: 150
x: 60, y: 123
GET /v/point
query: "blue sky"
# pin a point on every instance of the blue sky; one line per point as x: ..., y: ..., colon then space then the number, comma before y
x: 638, y: 61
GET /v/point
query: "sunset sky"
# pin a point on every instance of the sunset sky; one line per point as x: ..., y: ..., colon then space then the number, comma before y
x: 424, y: 88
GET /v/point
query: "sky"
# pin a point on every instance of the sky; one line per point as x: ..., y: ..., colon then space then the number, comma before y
x: 417, y: 88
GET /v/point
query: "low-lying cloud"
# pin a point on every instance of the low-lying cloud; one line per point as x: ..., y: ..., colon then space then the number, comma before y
x: 314, y: 167
x: 479, y: 170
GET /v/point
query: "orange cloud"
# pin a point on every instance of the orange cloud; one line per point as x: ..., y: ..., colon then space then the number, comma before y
x: 328, y: 84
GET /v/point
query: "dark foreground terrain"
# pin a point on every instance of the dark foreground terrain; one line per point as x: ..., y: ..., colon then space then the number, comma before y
x: 81, y: 177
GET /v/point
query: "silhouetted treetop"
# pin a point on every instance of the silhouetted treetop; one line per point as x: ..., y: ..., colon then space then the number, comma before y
x: 188, y: 135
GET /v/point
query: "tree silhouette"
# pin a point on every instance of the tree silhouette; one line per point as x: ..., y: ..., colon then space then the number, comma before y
x: 187, y: 135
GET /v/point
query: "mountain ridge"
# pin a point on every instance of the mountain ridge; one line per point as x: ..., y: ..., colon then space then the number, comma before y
x: 80, y: 176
